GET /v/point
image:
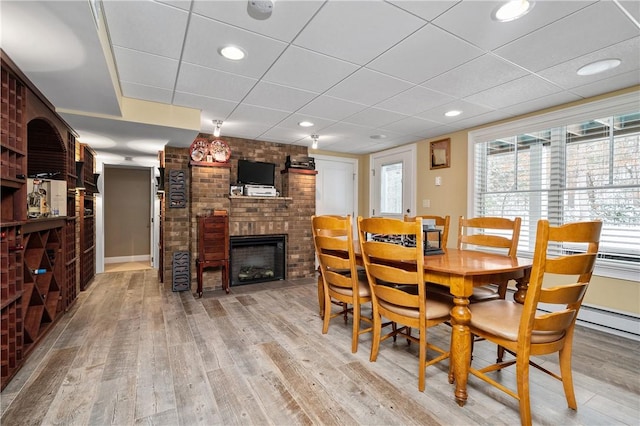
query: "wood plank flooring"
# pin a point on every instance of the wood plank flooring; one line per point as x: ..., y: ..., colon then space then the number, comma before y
x: 131, y: 351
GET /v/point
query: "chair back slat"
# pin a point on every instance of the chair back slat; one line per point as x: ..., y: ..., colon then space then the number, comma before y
x: 564, y: 294
x: 488, y: 232
x: 575, y: 264
x: 554, y: 322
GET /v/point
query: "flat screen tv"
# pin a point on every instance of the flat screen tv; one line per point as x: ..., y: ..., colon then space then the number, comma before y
x: 256, y: 173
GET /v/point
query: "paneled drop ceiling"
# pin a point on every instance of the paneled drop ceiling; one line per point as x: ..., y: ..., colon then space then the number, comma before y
x: 356, y: 69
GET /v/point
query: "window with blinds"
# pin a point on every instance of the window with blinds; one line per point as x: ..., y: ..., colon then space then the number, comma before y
x: 573, y: 172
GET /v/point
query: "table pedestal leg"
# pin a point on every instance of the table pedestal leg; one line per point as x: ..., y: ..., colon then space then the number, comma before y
x: 522, y: 284
x: 460, y: 347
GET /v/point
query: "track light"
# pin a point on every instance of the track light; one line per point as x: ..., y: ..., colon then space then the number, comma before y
x: 216, y: 129
x: 315, y: 138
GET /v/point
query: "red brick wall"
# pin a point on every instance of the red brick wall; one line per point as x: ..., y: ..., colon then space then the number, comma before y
x: 208, y: 189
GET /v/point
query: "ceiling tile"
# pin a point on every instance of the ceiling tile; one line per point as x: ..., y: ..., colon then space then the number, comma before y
x: 212, y: 108
x: 374, y: 117
x: 306, y: 70
x: 358, y: 87
x: 285, y: 22
x: 541, y: 103
x: 414, y: 101
x: 134, y: 24
x: 427, y: 10
x: 514, y: 92
x: 275, y: 96
x: 600, y: 25
x: 411, y: 125
x: 215, y: 84
x: 475, y: 76
x: 331, y: 108
x: 471, y: 20
x: 147, y: 69
x: 263, y: 116
x: 632, y: 7
x: 430, y: 51
x: 206, y: 37
x: 610, y: 84
x: 291, y: 122
x: 468, y: 123
x: 379, y: 26
x: 565, y: 75
x: 468, y: 110
x: 285, y: 135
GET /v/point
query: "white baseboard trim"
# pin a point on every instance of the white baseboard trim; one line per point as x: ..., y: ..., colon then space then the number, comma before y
x: 125, y: 259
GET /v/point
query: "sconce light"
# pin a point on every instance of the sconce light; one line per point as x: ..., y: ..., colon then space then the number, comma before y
x: 315, y: 138
x: 95, y: 181
x: 160, y: 180
x: 217, y: 126
x: 79, y: 179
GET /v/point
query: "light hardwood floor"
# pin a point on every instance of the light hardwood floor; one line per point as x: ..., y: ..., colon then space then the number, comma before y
x: 131, y: 351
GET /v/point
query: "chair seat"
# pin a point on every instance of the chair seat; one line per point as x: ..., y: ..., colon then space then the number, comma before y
x: 502, y: 318
x: 480, y: 294
x: 435, y: 309
x: 484, y: 293
x: 363, y: 289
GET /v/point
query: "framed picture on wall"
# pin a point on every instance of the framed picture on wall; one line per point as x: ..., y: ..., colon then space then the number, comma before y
x: 441, y: 154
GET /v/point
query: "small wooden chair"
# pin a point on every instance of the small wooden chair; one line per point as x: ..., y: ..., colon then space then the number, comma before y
x: 213, y: 246
x: 524, y: 332
x: 442, y: 222
x: 392, y: 268
x: 341, y: 282
x: 488, y: 232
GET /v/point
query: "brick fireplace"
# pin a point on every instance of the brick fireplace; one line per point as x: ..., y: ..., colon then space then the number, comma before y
x: 208, y: 188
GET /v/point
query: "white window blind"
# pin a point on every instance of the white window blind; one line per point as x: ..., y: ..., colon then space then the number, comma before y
x: 580, y: 170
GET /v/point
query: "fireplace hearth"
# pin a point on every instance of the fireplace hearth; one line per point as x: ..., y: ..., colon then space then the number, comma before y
x: 257, y: 258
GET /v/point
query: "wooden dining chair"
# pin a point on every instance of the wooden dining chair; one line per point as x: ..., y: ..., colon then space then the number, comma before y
x: 494, y: 233
x: 442, y: 223
x: 391, y: 268
x: 524, y: 331
x: 341, y: 283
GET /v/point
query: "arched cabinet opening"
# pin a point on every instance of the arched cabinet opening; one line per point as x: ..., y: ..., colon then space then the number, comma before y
x: 47, y: 154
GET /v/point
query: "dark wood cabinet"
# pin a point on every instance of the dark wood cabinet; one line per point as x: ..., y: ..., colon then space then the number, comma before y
x: 86, y: 217
x: 37, y: 256
x: 213, y: 246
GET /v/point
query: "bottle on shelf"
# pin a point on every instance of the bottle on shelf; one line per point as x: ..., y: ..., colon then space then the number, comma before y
x: 17, y: 247
x: 38, y: 271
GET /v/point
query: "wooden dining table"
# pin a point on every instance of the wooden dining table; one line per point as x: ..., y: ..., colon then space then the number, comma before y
x: 460, y: 271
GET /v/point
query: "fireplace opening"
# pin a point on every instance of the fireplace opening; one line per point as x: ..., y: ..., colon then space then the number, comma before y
x: 257, y: 258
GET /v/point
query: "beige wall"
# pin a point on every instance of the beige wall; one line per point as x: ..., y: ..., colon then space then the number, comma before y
x: 127, y: 215
x: 451, y: 198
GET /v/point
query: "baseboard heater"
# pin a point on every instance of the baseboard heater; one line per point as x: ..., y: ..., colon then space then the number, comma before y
x: 609, y: 321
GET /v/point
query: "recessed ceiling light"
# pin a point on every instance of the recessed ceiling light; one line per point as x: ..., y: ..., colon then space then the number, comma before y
x: 378, y: 136
x: 512, y: 10
x: 232, y: 52
x: 452, y: 113
x: 305, y: 124
x: 599, y: 66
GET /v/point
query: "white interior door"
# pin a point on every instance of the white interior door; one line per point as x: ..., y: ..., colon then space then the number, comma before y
x: 336, y: 189
x: 393, y: 182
